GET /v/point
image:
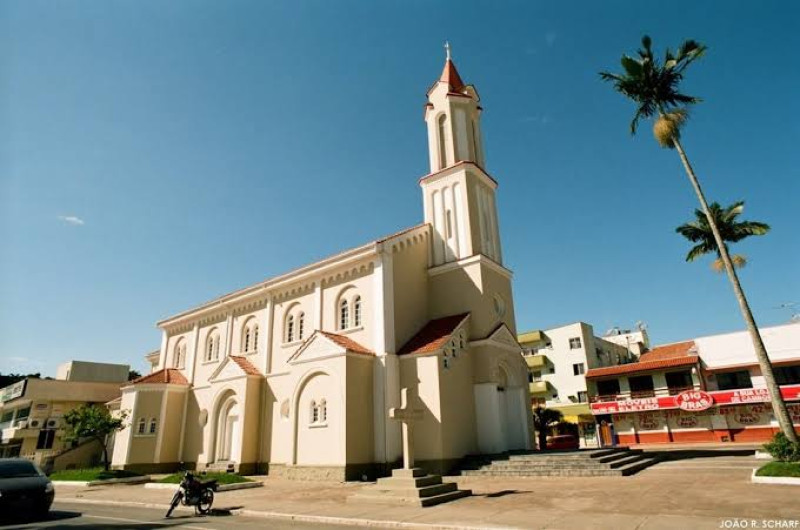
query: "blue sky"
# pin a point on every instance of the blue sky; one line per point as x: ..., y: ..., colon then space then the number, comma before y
x: 154, y: 155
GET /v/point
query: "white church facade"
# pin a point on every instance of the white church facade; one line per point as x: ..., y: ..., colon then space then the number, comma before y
x: 295, y: 375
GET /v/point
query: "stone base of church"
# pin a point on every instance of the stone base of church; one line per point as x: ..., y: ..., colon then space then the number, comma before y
x: 442, y: 467
x: 152, y: 468
x: 345, y: 473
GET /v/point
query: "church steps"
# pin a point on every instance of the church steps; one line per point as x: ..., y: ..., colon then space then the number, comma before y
x: 411, y: 482
x: 611, y: 462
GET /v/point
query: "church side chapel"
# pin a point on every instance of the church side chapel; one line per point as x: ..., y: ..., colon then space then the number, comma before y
x: 296, y: 376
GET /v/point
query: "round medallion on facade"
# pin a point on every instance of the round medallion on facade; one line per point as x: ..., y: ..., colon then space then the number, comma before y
x: 499, y: 306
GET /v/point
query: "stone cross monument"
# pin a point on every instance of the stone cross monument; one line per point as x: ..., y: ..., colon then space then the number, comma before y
x: 407, y: 414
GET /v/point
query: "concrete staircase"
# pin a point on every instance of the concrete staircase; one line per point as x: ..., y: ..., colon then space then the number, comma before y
x: 611, y: 462
x: 410, y: 487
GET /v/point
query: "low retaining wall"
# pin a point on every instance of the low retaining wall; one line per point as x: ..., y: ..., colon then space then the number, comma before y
x: 108, y: 482
x: 222, y: 487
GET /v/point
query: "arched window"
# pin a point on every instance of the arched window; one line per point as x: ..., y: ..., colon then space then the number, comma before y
x: 246, y: 342
x: 179, y: 356
x: 442, y: 141
x: 141, y: 426
x: 301, y: 325
x: 344, y: 315
x: 323, y: 411
x: 212, y: 345
x: 314, y: 412
x: 153, y: 425
x: 290, y: 328
x: 357, y: 311
x: 255, y: 337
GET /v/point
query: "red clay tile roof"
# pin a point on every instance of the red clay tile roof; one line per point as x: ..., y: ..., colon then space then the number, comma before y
x: 669, y: 351
x: 451, y: 77
x: 171, y: 376
x: 245, y: 365
x: 646, y: 366
x: 433, y: 336
x: 347, y: 343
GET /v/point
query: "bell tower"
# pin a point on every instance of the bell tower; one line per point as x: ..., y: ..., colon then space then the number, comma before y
x: 458, y: 194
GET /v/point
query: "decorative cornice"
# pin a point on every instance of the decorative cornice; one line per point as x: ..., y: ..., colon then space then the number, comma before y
x: 477, y: 258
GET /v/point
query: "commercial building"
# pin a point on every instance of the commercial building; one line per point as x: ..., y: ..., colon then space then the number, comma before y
x: 708, y: 389
x: 558, y: 359
x: 32, y: 410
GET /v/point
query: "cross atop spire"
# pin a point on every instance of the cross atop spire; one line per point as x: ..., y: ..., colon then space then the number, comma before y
x: 450, y: 74
x: 447, y: 49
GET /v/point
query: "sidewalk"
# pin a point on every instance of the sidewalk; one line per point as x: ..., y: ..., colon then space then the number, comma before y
x: 694, y: 493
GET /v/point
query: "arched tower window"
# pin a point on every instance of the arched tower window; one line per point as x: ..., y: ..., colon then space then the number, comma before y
x: 357, y: 311
x: 323, y: 411
x: 344, y: 314
x: 314, y: 412
x: 442, y: 134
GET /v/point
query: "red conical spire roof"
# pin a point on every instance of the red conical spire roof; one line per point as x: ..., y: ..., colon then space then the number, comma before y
x: 451, y: 77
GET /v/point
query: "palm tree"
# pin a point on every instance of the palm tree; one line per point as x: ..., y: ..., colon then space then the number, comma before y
x: 654, y: 86
x: 699, y: 231
x: 543, y: 419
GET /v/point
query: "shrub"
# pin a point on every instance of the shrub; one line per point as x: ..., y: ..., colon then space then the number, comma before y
x: 782, y: 449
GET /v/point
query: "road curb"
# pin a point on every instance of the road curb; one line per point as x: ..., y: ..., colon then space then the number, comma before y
x: 785, y: 481
x: 323, y: 519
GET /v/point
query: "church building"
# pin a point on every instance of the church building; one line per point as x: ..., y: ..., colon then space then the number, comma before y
x: 295, y: 376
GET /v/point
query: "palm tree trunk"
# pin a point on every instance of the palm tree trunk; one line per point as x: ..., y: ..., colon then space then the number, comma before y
x: 778, y: 405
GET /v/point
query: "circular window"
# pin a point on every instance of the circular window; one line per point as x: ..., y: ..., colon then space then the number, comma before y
x: 499, y: 306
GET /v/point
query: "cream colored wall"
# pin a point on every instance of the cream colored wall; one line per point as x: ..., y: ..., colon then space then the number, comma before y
x: 321, y: 445
x: 142, y: 447
x: 170, y: 424
x: 424, y: 371
x: 90, y: 371
x: 193, y: 439
x: 122, y: 440
x: 471, y: 288
x: 409, y: 273
x: 359, y: 422
x: 458, y: 406
x: 74, y: 391
x: 282, y: 350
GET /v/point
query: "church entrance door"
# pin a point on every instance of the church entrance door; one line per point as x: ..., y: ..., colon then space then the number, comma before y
x: 229, y: 432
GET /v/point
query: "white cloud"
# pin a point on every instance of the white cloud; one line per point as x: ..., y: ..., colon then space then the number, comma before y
x: 72, y: 220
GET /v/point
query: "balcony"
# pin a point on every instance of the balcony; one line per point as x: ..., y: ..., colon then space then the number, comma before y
x: 536, y: 362
x: 641, y: 394
x: 539, y: 387
x: 675, y: 390
x: 604, y: 398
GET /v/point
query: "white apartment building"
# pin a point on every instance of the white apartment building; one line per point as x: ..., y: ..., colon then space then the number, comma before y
x: 557, y: 360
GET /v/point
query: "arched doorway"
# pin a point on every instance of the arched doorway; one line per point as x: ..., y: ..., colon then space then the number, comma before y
x: 511, y: 410
x: 228, y: 434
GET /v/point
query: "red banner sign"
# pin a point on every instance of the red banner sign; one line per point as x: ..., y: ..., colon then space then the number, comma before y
x: 695, y: 400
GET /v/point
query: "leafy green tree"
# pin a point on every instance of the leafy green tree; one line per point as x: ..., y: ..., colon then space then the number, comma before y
x: 653, y: 85
x: 543, y: 419
x: 133, y: 374
x: 699, y: 231
x: 95, y: 422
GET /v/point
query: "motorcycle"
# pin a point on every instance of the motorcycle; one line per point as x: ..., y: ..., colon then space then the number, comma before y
x: 193, y: 492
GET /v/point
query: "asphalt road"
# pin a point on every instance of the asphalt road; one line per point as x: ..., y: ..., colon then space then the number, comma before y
x: 75, y: 516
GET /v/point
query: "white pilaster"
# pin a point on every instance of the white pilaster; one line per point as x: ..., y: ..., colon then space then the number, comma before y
x: 193, y: 351
x: 269, y: 320
x: 229, y: 334
x: 162, y: 358
x: 317, y: 306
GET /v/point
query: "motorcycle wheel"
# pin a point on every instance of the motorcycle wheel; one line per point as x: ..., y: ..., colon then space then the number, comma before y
x: 174, y: 503
x: 206, y: 500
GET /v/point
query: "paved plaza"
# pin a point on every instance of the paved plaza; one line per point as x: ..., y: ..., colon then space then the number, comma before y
x: 692, y: 489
